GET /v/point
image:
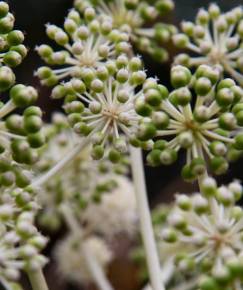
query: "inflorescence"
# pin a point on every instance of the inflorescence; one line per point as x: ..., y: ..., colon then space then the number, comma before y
x: 216, y: 38
x: 201, y: 115
x: 134, y: 18
x: 204, y: 234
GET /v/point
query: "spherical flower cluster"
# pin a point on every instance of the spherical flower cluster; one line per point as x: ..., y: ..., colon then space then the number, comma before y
x: 20, y: 243
x: 12, y: 51
x: 20, y: 134
x: 84, y: 183
x: 217, y: 38
x: 88, y: 44
x: 71, y: 260
x: 201, y: 115
x: 133, y: 17
x: 204, y: 231
x: 117, y: 209
x: 106, y: 107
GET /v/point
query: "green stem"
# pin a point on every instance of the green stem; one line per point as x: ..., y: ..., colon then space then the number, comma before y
x: 146, y: 227
x: 37, y: 280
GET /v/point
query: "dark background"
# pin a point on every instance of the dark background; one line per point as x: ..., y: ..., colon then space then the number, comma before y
x: 163, y: 182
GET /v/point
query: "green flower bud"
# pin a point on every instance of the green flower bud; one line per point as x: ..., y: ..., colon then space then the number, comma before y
x: 6, y: 23
x: 4, y: 9
x: 239, y: 141
x: 182, y: 96
x: 32, y: 124
x: 97, y: 152
x: 180, y: 76
x: 187, y: 173
x: 36, y: 140
x: 181, y: 40
x: 146, y: 131
x: 198, y: 166
x: 153, y: 158
x: 218, y: 148
x: 114, y: 156
x: 7, y: 78
x: 12, y: 58
x: 33, y: 110
x: 168, y: 156
x: 219, y: 165
x: 227, y: 121
x: 15, y: 37
x: 208, y: 283
x: 202, y: 86
x: 160, y: 120
x: 225, y: 97
x: 45, y: 51
x: 153, y: 97
x: 23, y: 96
x: 142, y: 108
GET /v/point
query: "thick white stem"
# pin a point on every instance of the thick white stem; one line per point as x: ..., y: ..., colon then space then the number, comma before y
x: 95, y: 269
x: 37, y: 280
x: 145, y: 219
x: 61, y: 164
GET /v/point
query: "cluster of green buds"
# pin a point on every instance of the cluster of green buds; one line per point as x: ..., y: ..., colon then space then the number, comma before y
x: 202, y: 115
x: 12, y: 51
x: 20, y: 242
x: 85, y: 182
x: 20, y: 133
x: 216, y: 38
x: 206, y: 231
x: 132, y: 17
x: 87, y: 42
x: 105, y: 107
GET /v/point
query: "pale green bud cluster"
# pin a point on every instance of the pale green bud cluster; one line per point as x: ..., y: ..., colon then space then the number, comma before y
x: 84, y: 182
x: 202, y: 116
x: 87, y: 42
x: 217, y: 38
x: 20, y: 242
x: 206, y: 230
x: 12, y: 51
x: 133, y: 17
x: 106, y: 107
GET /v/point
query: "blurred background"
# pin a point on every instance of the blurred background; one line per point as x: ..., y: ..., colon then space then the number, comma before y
x: 163, y: 182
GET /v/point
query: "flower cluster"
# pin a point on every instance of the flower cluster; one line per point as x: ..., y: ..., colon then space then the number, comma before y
x: 20, y: 242
x: 201, y: 115
x: 12, y: 51
x: 217, y: 38
x: 88, y: 44
x: 20, y: 133
x: 94, y: 191
x: 75, y: 268
x: 106, y: 108
x: 133, y: 17
x: 204, y: 231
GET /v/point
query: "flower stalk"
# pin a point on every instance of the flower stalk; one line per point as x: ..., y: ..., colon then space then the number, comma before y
x: 145, y: 219
x: 94, y: 267
x: 37, y: 280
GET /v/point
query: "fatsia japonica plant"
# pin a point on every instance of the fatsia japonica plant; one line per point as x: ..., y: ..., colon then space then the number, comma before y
x: 83, y: 170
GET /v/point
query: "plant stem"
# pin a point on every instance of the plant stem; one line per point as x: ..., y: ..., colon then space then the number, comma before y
x: 94, y: 267
x: 146, y: 227
x: 200, y: 180
x: 37, y: 280
x: 61, y: 164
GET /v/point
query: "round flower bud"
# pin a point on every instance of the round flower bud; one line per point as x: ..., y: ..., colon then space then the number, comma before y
x: 183, y: 201
x: 168, y: 156
x: 239, y: 141
x: 32, y: 123
x: 227, y: 121
x: 12, y: 58
x: 97, y: 152
x: 201, y: 114
x: 36, y: 140
x: 219, y: 165
x: 181, y: 40
x: 185, y: 139
x: 225, y: 97
x: 208, y: 283
x: 183, y: 96
x: 4, y: 9
x: 169, y: 235
x: 7, y: 78
x: 153, y: 158
x: 180, y: 76
x: 218, y: 148
x: 15, y: 37
x: 6, y: 23
x: 202, y: 86
x: 23, y: 96
x: 160, y: 120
